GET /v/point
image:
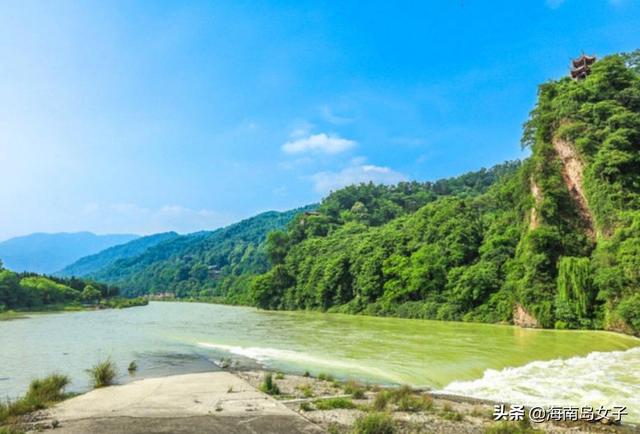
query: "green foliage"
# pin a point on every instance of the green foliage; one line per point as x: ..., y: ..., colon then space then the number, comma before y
x: 90, y: 294
x: 268, y: 386
x: 333, y: 403
x: 575, y: 295
x: 355, y: 389
x: 133, y: 367
x: 103, y: 373
x: 219, y: 264
x: 29, y: 291
x: 41, y: 394
x: 375, y: 423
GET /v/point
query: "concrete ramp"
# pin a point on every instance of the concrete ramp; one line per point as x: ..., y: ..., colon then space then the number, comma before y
x: 216, y: 402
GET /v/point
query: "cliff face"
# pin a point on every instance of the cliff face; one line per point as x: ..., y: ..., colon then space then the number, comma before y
x: 585, y: 188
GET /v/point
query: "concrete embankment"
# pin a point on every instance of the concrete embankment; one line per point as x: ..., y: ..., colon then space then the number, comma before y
x: 216, y: 402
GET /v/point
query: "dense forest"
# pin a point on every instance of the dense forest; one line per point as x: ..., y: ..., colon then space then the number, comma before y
x: 218, y: 263
x: 552, y: 243
x: 30, y: 291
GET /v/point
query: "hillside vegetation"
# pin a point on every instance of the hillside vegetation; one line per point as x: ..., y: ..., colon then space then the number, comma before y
x: 553, y: 243
x: 92, y: 263
x: 30, y: 291
x: 218, y: 263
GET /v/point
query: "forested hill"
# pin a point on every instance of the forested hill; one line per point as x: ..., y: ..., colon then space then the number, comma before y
x: 555, y: 243
x: 92, y: 263
x: 208, y: 263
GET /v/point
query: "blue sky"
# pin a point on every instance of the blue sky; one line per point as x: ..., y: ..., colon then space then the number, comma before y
x: 150, y: 116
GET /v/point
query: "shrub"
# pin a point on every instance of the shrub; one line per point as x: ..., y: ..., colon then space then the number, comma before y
x: 374, y: 423
x: 268, y: 386
x: 279, y: 376
x: 306, y: 374
x: 103, y: 373
x: 333, y: 403
x: 133, y: 367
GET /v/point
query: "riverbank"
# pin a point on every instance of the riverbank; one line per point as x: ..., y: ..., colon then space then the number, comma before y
x: 110, y: 303
x: 232, y: 402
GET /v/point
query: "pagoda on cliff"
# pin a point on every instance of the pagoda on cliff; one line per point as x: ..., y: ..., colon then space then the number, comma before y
x: 581, y: 67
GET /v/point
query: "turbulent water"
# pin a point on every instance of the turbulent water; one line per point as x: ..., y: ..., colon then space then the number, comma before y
x: 489, y: 361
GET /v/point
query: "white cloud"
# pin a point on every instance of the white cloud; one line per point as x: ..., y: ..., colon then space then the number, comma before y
x: 324, y: 182
x: 319, y: 143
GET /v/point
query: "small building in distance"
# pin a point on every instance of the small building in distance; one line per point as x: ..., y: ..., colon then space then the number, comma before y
x: 581, y: 67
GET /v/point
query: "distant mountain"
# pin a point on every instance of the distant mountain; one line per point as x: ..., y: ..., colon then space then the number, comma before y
x: 47, y: 253
x: 92, y: 263
x: 208, y: 262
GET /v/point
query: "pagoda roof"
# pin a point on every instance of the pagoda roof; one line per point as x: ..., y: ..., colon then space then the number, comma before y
x: 583, y: 60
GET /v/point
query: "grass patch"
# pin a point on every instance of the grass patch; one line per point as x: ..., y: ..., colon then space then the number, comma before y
x: 41, y: 394
x: 325, y: 377
x: 415, y: 403
x: 450, y: 414
x: 306, y: 390
x: 405, y: 399
x: 103, y: 373
x: 333, y: 403
x: 520, y: 427
x: 375, y: 423
x: 268, y: 386
x: 279, y: 376
x: 11, y: 315
x: 355, y: 389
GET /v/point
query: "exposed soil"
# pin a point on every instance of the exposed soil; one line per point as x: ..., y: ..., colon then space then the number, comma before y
x: 572, y: 173
x: 537, y: 196
x: 522, y: 318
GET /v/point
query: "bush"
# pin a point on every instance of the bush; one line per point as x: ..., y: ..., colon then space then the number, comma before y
x: 103, y: 373
x: 374, y: 423
x: 280, y: 376
x: 133, y: 367
x: 333, y: 403
x: 268, y: 386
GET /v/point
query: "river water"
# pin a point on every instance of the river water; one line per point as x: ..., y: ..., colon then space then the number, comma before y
x: 489, y: 361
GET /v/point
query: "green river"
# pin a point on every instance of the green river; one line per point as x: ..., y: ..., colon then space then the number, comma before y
x: 488, y: 361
